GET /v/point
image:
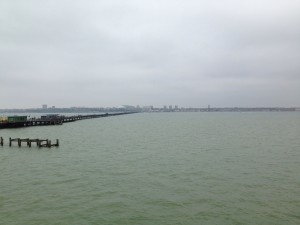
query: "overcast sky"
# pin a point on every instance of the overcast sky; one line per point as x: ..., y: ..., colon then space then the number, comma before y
x: 149, y: 52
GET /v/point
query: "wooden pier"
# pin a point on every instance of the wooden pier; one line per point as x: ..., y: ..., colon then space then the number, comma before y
x: 55, y: 120
x: 39, y: 142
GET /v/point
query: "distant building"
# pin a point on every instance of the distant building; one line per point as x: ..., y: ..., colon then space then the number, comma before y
x: 176, y: 107
x: 44, y: 106
x: 148, y: 108
x: 170, y: 107
x: 128, y: 107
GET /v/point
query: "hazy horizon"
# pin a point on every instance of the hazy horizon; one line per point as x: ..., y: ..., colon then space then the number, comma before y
x: 146, y: 106
x: 186, y: 53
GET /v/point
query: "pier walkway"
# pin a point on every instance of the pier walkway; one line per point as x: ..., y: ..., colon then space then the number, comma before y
x: 55, y: 120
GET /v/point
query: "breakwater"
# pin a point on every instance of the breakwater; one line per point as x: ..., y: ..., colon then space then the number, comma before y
x: 54, y: 120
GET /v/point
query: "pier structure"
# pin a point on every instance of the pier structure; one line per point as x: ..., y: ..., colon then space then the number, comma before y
x: 39, y: 142
x: 51, y: 120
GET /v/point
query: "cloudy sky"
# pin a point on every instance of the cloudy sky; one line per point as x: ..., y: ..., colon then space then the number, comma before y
x: 158, y: 52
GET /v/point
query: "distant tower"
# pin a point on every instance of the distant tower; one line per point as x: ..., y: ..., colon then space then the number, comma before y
x: 44, y: 106
x: 208, y: 108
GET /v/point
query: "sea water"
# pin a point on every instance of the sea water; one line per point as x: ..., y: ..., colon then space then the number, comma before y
x: 156, y: 168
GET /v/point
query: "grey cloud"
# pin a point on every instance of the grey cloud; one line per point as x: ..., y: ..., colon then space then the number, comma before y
x: 150, y: 52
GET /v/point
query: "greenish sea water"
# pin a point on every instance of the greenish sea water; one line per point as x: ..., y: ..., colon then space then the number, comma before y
x: 159, y: 168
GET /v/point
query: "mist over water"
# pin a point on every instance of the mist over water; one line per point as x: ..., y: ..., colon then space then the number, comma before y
x: 159, y: 168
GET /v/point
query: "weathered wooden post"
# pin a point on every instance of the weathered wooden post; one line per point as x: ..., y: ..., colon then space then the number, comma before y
x: 10, y: 142
x: 49, y: 143
x: 19, y: 142
x: 1, y: 141
x: 57, y: 142
x: 29, y: 143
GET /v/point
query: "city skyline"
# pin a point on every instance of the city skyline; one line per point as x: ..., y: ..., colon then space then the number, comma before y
x: 46, y: 106
x: 142, y: 108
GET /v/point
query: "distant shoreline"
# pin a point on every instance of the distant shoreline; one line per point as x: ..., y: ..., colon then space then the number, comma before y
x: 150, y: 109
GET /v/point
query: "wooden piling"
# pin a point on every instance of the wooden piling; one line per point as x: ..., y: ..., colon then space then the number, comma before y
x: 53, y: 145
x: 29, y: 143
x: 11, y: 140
x: 39, y: 142
x: 34, y: 141
x: 26, y: 140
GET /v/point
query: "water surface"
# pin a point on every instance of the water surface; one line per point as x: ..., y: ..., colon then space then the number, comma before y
x: 159, y: 168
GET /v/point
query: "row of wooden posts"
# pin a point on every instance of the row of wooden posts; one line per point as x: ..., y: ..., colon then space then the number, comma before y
x: 28, y: 141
